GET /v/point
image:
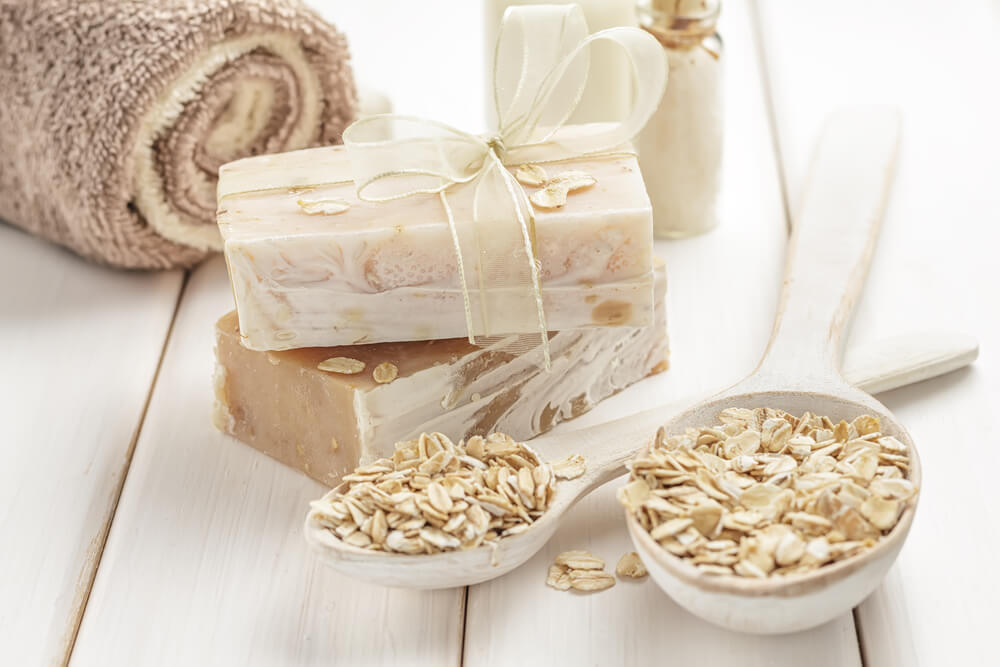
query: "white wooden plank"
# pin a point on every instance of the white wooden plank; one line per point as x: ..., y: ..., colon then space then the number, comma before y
x: 722, y: 295
x: 206, y: 563
x: 935, y: 266
x: 79, y: 346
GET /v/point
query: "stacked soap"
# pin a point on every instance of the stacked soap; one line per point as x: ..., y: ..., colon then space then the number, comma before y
x: 350, y: 333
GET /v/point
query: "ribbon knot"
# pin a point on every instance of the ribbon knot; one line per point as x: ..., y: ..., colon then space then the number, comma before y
x: 497, y: 146
x: 540, y: 73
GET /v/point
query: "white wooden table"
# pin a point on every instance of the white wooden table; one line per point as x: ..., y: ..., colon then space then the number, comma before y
x: 131, y: 532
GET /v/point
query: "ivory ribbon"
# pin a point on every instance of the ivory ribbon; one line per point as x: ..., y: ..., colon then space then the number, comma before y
x: 542, y: 61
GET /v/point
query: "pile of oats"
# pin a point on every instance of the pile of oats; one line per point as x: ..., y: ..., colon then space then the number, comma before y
x: 579, y: 570
x: 765, y: 493
x: 434, y: 495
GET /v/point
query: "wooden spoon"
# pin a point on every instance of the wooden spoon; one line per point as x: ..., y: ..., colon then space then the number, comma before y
x: 829, y: 254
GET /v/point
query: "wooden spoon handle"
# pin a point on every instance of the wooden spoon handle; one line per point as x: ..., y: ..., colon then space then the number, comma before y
x: 832, y: 241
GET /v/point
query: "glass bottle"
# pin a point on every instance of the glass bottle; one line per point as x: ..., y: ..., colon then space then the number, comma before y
x: 680, y: 149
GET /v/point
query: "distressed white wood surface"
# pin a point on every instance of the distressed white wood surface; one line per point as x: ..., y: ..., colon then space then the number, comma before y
x: 79, y: 346
x: 205, y: 562
x: 935, y: 266
x: 722, y: 296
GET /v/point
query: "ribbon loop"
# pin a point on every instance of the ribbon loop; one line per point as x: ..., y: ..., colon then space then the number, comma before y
x: 542, y: 62
x: 532, y: 43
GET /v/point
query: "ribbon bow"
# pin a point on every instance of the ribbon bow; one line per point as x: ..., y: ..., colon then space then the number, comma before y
x: 539, y: 76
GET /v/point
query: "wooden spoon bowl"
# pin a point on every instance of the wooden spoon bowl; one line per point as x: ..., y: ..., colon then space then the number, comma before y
x: 792, y: 602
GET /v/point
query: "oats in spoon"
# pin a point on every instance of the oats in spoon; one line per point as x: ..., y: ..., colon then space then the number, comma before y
x: 434, y: 495
x: 765, y: 493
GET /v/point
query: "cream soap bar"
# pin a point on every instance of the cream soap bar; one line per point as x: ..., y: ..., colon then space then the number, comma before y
x: 312, y: 265
x: 326, y: 423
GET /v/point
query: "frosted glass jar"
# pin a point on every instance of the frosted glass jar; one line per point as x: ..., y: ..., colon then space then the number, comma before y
x: 680, y: 149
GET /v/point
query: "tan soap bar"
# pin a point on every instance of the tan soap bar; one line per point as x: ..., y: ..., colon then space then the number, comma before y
x: 324, y: 423
x: 312, y: 264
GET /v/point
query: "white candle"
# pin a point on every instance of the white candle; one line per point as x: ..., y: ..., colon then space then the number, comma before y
x: 372, y: 102
x: 609, y: 86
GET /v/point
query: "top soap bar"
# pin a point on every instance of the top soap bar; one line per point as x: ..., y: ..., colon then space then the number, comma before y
x: 304, y: 274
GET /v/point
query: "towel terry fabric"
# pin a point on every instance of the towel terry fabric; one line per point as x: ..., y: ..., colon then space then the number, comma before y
x: 116, y: 114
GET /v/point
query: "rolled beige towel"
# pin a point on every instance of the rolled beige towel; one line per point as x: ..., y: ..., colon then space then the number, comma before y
x: 116, y: 114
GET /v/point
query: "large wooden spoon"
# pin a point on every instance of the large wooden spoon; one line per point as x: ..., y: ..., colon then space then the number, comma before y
x: 830, y: 251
